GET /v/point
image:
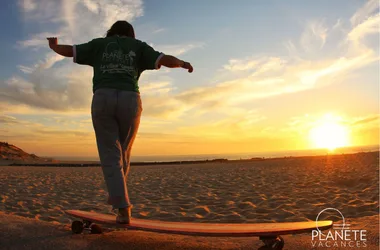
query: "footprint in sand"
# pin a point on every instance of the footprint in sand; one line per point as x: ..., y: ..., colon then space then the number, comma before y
x: 246, y: 205
x: 201, y: 211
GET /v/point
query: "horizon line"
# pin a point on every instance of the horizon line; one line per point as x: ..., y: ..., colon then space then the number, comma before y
x: 284, y: 153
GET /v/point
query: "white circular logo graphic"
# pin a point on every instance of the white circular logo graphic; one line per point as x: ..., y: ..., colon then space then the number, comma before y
x: 342, y: 226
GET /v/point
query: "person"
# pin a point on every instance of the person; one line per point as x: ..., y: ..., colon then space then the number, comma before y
x: 118, y: 61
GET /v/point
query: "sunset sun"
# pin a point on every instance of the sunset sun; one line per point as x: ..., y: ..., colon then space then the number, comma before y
x: 329, y: 134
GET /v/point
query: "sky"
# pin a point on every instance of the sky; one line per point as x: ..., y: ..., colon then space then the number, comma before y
x: 268, y: 75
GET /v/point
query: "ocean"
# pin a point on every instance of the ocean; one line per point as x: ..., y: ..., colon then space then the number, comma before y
x: 167, y: 158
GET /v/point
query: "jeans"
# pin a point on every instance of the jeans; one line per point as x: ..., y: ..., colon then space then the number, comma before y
x: 116, y: 119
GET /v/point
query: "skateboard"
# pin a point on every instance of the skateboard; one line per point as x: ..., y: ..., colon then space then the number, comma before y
x: 268, y: 233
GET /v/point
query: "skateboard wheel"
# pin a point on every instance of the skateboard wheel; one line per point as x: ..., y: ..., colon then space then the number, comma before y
x: 276, y: 243
x: 77, y: 227
x: 279, y: 243
x: 87, y: 224
x: 95, y: 229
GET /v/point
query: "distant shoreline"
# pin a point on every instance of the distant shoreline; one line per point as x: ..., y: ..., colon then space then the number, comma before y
x: 229, y: 156
x: 221, y: 160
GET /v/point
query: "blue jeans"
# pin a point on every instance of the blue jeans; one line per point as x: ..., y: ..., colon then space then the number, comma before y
x: 116, y: 119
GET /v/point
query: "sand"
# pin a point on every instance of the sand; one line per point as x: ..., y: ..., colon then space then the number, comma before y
x: 275, y: 190
x: 23, y: 233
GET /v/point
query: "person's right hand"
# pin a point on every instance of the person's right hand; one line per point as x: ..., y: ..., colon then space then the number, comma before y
x: 52, y: 41
x: 187, y: 66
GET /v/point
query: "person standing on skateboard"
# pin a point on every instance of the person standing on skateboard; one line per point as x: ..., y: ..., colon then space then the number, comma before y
x: 118, y: 61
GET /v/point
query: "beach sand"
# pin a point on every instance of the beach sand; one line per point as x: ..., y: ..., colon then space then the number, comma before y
x: 272, y: 190
x: 28, y: 234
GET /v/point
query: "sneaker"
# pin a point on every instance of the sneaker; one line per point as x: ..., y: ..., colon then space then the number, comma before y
x: 124, y: 218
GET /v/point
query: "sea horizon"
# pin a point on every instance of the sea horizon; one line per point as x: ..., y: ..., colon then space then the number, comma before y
x: 232, y: 156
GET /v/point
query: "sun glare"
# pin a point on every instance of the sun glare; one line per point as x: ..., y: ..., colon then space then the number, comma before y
x: 329, y: 134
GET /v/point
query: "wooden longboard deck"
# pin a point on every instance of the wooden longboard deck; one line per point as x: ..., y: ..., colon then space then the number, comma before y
x: 205, y: 229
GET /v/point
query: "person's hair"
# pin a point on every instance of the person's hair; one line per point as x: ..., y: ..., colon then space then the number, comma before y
x: 121, y: 28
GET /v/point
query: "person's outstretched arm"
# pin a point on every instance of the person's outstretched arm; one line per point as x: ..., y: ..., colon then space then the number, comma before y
x: 63, y: 50
x: 173, y: 62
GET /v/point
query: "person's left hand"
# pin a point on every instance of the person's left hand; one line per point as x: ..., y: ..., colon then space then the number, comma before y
x: 52, y: 41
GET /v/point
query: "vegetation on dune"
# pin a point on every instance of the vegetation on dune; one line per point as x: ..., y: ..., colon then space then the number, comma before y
x: 11, y: 152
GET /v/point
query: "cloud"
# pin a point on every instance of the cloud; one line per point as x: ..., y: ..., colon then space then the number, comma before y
x: 261, y: 77
x: 27, y: 5
x: 25, y: 69
x: 167, y: 136
x: 45, y: 127
x: 163, y: 106
x: 255, y: 65
x: 67, y: 88
x: 311, y: 77
x: 241, y: 64
x: 6, y: 119
x: 92, y: 6
x: 154, y: 88
x: 47, y: 139
x: 371, y: 119
x: 360, y: 130
x: 49, y: 90
x: 269, y: 77
x: 93, y: 18
x: 370, y: 26
x: 256, y: 77
x: 234, y: 127
x: 47, y: 132
x: 43, y: 11
x: 159, y: 30
x: 365, y: 12
x: 314, y: 36
x: 84, y: 19
x: 37, y: 40
x: 178, y: 49
x: 50, y: 60
x: 308, y: 121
